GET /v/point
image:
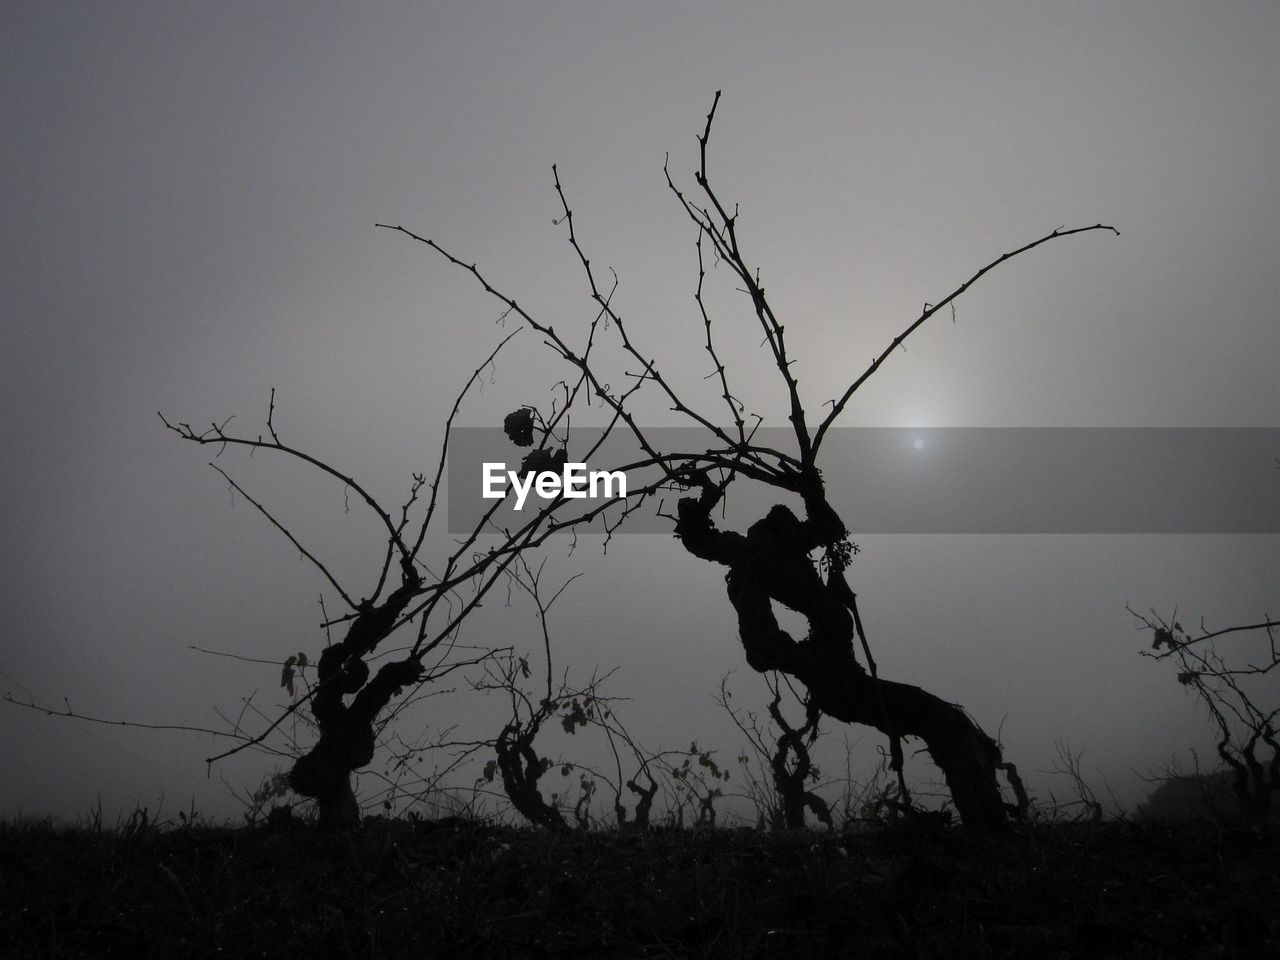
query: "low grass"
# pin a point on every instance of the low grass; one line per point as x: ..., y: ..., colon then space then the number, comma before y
x: 469, y: 889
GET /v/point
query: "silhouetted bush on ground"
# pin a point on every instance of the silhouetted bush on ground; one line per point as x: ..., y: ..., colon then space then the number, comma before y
x: 465, y: 889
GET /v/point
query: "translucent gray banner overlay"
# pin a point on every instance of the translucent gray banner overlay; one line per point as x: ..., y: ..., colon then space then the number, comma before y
x: 953, y: 480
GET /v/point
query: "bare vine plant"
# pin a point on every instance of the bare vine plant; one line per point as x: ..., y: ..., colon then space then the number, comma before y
x: 352, y: 705
x: 784, y: 794
x: 1235, y: 691
x: 796, y: 560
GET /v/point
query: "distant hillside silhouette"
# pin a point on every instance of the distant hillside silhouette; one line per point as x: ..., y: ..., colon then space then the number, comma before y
x: 1197, y: 796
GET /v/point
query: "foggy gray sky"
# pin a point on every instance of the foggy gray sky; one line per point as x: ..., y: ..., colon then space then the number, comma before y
x: 188, y: 207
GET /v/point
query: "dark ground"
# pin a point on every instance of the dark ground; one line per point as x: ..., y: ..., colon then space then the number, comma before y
x: 456, y: 889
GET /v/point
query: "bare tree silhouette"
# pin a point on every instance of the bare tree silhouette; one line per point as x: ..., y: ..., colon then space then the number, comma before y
x: 1237, y: 703
x: 350, y: 703
x: 796, y: 560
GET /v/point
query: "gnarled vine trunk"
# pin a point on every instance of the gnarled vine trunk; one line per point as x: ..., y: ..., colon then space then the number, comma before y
x: 347, y: 740
x: 521, y: 769
x: 772, y: 563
